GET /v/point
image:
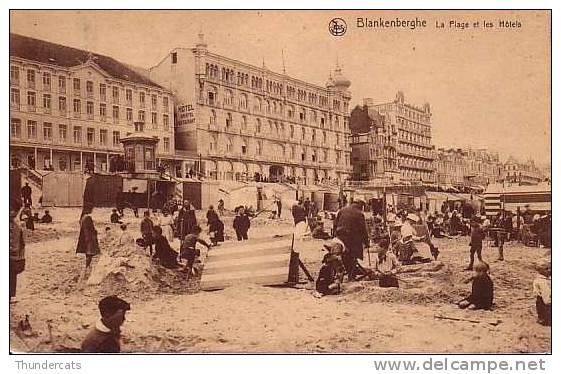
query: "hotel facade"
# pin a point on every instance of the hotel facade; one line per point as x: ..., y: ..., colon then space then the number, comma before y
x: 401, y: 140
x: 245, y: 122
x: 69, y: 108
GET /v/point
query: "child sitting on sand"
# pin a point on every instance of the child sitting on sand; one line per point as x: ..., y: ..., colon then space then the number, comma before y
x: 163, y: 251
x: 481, y: 296
x: 125, y: 238
x: 332, y: 271
x: 386, y: 266
x: 542, y: 291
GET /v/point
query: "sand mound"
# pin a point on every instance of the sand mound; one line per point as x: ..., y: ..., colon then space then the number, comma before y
x: 128, y: 270
x: 41, y: 234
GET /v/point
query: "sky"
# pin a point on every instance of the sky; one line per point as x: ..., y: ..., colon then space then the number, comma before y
x: 488, y: 87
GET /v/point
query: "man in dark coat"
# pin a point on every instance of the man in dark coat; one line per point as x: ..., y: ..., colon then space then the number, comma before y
x: 26, y: 194
x: 279, y: 207
x: 298, y: 212
x: 241, y: 224
x: 352, y: 223
x: 147, y: 229
x: 186, y: 220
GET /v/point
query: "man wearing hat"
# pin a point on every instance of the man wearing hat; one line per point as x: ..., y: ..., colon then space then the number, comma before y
x: 105, y: 337
x: 351, y: 220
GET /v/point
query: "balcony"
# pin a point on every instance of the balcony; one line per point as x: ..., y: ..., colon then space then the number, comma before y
x: 31, y: 84
x: 31, y: 108
x: 76, y: 114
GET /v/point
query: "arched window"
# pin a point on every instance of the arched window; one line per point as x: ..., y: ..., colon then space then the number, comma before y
x: 243, y: 101
x: 257, y: 106
x: 212, y: 96
x: 229, y: 145
x: 258, y: 125
x: 228, y: 97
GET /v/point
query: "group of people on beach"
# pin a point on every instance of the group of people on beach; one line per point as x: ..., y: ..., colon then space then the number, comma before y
x: 396, y: 248
x: 349, y: 238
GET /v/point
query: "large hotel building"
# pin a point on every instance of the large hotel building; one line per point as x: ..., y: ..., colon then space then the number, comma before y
x: 393, y: 142
x: 243, y: 121
x: 69, y: 108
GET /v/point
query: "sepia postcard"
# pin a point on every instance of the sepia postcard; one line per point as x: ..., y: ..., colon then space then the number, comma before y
x: 280, y: 181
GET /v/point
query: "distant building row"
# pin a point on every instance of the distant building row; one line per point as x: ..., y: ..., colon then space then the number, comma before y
x: 391, y: 143
x: 224, y: 119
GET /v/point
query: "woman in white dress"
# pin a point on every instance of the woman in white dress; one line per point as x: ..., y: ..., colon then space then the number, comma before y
x: 166, y: 222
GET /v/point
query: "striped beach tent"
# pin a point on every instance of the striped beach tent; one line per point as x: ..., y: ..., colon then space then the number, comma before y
x: 258, y: 261
x: 510, y: 198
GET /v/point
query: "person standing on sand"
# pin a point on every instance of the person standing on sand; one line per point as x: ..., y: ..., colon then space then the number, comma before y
x: 146, y: 229
x: 352, y: 220
x: 26, y: 194
x: 17, y: 251
x: 241, y: 224
x: 476, y: 243
x: 187, y: 221
x: 87, y: 240
x: 105, y: 337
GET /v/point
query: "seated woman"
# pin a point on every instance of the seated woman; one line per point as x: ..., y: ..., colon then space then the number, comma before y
x: 542, y: 292
x: 163, y: 251
x: 481, y: 296
x: 386, y: 266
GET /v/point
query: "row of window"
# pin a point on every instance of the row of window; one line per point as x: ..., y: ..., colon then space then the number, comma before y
x: 276, y: 88
x: 269, y: 107
x: 414, y: 126
x: 416, y: 175
x: 416, y: 150
x: 413, y: 137
x: 281, y: 151
x: 89, y: 88
x: 273, y: 127
x: 413, y: 114
x: 77, y: 134
x: 78, y: 104
x: 413, y: 162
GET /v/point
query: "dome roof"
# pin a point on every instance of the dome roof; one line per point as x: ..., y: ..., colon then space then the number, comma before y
x: 340, y: 80
x: 330, y: 82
